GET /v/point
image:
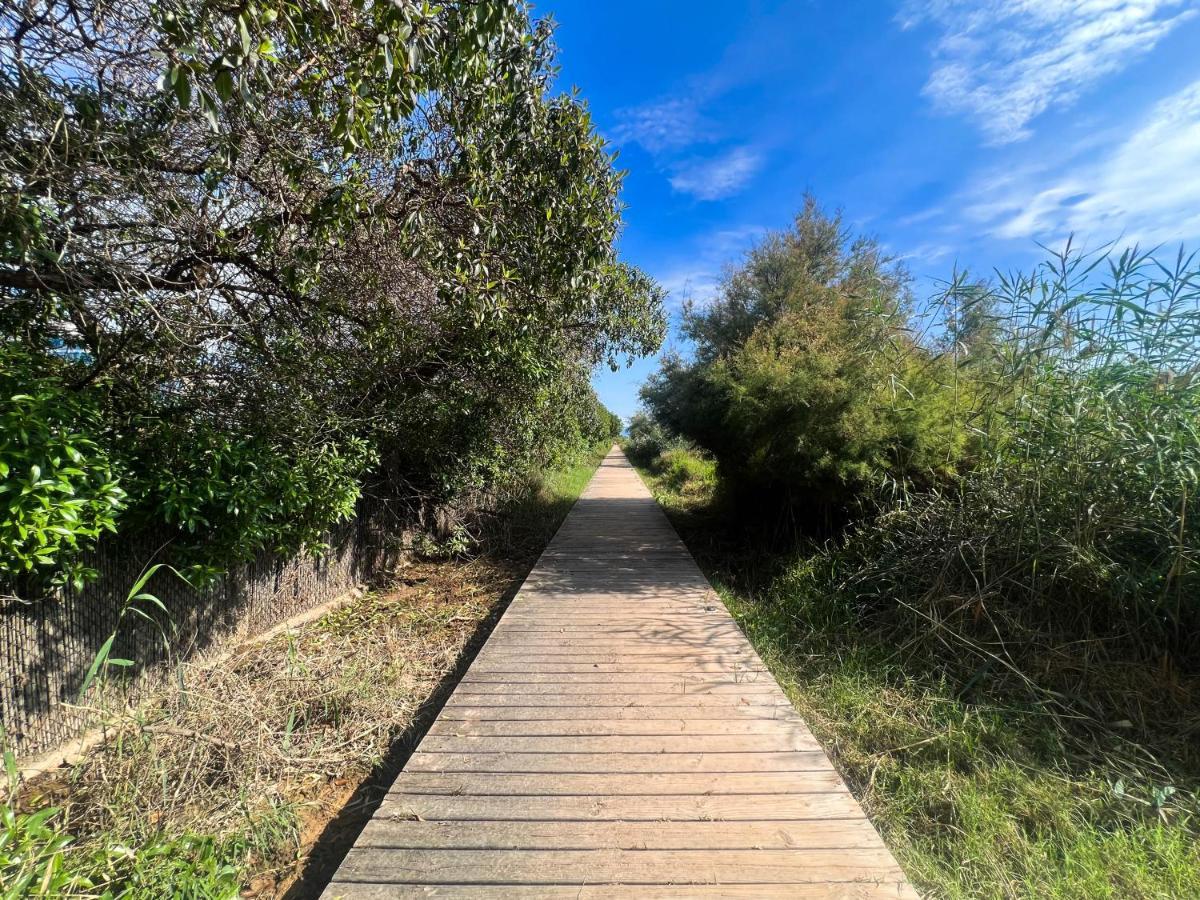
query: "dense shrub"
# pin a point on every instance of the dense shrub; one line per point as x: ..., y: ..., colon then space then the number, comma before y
x: 648, y: 438
x: 685, y: 471
x: 1077, y: 518
x: 58, y: 490
x: 279, y: 250
x: 805, y: 382
x: 1043, y: 444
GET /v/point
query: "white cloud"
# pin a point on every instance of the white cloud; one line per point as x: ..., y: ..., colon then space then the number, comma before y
x: 1144, y: 188
x: 663, y: 125
x: 717, y: 177
x: 1004, y: 62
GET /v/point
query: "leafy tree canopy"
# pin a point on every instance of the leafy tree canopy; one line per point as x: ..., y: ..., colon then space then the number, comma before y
x: 283, y: 244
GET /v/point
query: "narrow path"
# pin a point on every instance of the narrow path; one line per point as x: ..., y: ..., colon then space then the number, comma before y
x: 618, y: 736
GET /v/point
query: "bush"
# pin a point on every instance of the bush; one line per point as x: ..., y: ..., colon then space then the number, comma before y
x: 1076, y: 519
x: 647, y: 439
x: 1039, y: 456
x: 685, y: 471
x: 58, y: 488
x: 805, y: 383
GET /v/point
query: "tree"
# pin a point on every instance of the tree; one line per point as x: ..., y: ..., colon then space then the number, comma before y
x: 805, y: 383
x: 289, y: 244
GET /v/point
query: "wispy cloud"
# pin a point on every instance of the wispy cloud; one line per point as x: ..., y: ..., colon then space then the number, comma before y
x: 663, y: 125
x: 1004, y: 62
x: 1142, y: 188
x: 716, y: 177
x: 670, y: 128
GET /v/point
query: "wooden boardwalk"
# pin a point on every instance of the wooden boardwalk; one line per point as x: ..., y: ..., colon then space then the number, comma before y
x: 617, y: 736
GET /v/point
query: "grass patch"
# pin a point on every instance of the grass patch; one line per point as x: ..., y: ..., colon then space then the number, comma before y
x: 224, y: 783
x: 978, y: 790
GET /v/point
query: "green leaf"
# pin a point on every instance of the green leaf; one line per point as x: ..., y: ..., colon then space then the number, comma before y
x: 223, y: 82
x: 244, y: 34
x: 101, y: 656
x: 183, y: 88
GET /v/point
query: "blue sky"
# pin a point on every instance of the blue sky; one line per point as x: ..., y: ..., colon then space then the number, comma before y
x: 957, y: 132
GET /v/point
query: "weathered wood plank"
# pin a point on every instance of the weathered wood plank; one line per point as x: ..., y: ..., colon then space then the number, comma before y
x: 598, y: 689
x: 503, y: 784
x: 698, y: 835
x: 664, y: 701
x: 533, y: 867
x: 591, y: 726
x: 782, y: 740
x: 617, y: 679
x: 691, y: 713
x: 799, y: 761
x: 622, y: 807
x: 816, y: 891
x: 516, y: 666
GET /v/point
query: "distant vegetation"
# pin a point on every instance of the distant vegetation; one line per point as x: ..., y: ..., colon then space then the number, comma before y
x: 253, y: 258
x: 981, y: 508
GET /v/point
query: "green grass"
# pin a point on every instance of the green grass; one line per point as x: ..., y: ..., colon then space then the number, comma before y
x: 978, y: 791
x: 38, y: 859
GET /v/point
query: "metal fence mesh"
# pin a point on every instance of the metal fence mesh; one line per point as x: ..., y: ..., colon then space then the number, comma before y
x: 47, y: 646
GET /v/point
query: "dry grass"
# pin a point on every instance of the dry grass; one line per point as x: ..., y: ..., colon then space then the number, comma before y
x: 266, y: 743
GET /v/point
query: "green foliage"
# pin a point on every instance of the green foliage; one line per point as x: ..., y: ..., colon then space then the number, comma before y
x: 978, y: 793
x: 611, y: 425
x: 685, y: 471
x: 39, y: 859
x: 260, y: 494
x: 1077, y: 517
x: 532, y: 509
x: 977, y: 786
x: 58, y: 490
x: 648, y: 438
x: 1002, y: 651
x: 1038, y: 452
x: 806, y: 384
x: 281, y: 252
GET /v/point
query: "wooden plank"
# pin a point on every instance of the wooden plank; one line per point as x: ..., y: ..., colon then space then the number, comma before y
x: 691, y: 713
x: 781, y: 740
x: 575, y: 632
x: 503, y: 784
x: 673, y: 701
x: 599, y: 688
x: 798, y: 761
x: 516, y: 667
x: 698, y: 835
x: 533, y: 867
x: 568, y: 727
x: 617, y: 678
x: 816, y: 891
x: 621, y: 808
x: 623, y: 643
